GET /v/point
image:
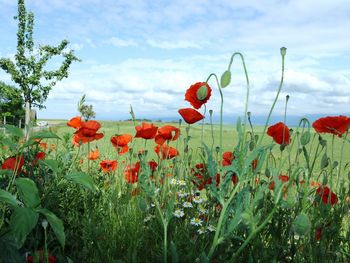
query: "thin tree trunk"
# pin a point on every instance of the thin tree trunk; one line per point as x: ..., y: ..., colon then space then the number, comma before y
x: 27, y: 120
x: 4, y: 120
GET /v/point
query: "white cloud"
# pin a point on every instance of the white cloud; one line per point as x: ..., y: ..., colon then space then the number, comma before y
x: 122, y: 42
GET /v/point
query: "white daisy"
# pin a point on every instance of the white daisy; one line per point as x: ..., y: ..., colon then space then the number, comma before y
x: 179, y: 213
x: 182, y: 193
x: 181, y: 182
x: 196, y: 221
x: 202, y: 209
x: 173, y: 181
x: 187, y: 204
x: 202, y: 230
x: 197, y: 199
x: 211, y: 228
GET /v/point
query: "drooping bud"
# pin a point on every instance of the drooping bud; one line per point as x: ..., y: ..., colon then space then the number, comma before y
x: 225, y: 79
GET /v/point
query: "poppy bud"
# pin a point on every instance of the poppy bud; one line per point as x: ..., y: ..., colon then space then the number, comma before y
x: 225, y: 79
x: 217, y: 149
x: 44, y: 224
x: 283, y: 51
x: 202, y: 93
x: 302, y: 224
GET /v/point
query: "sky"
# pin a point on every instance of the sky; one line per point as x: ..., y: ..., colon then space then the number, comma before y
x: 148, y: 53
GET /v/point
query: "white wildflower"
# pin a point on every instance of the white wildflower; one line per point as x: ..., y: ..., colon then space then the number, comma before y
x: 187, y: 204
x: 182, y: 193
x: 173, y: 181
x: 202, y: 209
x: 196, y: 221
x: 179, y: 213
x: 197, y: 199
x: 181, y: 182
x: 211, y: 228
x: 202, y: 230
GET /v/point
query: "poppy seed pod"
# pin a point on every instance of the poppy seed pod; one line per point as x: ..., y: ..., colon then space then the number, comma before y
x: 202, y: 93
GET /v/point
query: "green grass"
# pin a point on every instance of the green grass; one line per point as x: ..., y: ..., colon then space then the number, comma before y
x: 230, y: 140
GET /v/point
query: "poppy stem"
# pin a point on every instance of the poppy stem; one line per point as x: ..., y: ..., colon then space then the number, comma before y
x: 205, y: 110
x: 341, y: 160
x: 221, y: 112
x: 283, y: 53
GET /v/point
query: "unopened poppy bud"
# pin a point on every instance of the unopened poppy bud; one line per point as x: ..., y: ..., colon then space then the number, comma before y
x: 287, y: 98
x: 217, y: 149
x: 210, y: 112
x: 283, y: 51
x: 225, y: 79
x: 202, y: 92
x: 44, y: 224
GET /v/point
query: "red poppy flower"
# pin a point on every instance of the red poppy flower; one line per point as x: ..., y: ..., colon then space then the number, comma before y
x: 75, y: 122
x: 282, y: 178
x: 190, y: 115
x: 202, y: 178
x: 13, y: 163
x: 146, y: 131
x: 131, y: 173
x: 227, y: 158
x: 87, y: 132
x: 234, y: 179
x: 52, y: 259
x: 165, y: 151
x: 318, y: 233
x: 254, y: 164
x: 120, y: 142
x: 38, y: 156
x: 337, y: 125
x: 328, y: 197
x: 198, y: 94
x: 153, y: 165
x: 280, y: 133
x: 167, y: 133
x: 108, y: 166
x: 94, y: 154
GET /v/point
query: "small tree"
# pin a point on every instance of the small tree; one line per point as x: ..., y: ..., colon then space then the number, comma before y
x: 86, y: 110
x: 28, y: 70
x: 11, y: 102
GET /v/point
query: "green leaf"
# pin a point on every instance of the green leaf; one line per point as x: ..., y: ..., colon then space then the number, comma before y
x: 44, y: 135
x: 28, y: 192
x: 8, y: 198
x: 82, y: 179
x: 9, y: 251
x: 173, y: 252
x: 56, y: 225
x: 225, y: 79
x: 51, y: 164
x: 22, y: 222
x: 14, y: 131
x: 9, y: 143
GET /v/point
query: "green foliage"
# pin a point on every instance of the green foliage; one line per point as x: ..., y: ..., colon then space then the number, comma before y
x: 23, y: 220
x: 11, y: 103
x: 29, y: 70
x: 28, y: 192
x: 85, y: 110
